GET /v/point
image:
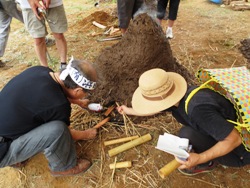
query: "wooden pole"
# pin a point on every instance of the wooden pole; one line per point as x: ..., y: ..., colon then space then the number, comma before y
x: 109, y: 110
x: 168, y: 168
x: 101, y: 123
x: 129, y: 145
x: 124, y: 164
x: 119, y: 140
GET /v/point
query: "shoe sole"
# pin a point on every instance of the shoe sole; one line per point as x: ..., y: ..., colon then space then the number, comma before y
x: 60, y: 175
x: 193, y: 174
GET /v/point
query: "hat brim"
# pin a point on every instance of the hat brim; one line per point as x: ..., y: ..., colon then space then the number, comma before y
x: 144, y: 106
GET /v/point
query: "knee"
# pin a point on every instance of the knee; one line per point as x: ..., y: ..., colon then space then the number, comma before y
x: 58, y: 36
x: 186, y: 132
x: 57, y: 129
x: 39, y: 41
x: 160, y: 15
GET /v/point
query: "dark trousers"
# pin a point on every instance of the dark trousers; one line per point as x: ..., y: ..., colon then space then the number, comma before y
x: 126, y: 10
x: 200, y: 143
x: 173, y: 9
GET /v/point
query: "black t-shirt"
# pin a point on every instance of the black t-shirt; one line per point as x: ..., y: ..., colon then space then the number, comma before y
x: 208, y: 113
x: 30, y: 99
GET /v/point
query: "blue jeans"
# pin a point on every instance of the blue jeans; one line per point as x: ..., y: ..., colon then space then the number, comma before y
x: 7, y: 12
x: 53, y: 139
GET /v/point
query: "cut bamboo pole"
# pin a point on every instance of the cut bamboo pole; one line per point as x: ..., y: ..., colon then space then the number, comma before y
x: 119, y: 140
x: 124, y: 164
x: 101, y: 123
x: 129, y: 145
x: 98, y: 25
x: 168, y: 168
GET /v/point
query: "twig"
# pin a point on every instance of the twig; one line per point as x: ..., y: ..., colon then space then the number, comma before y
x: 233, y: 63
x: 113, y: 173
x: 204, y: 181
x: 137, y: 176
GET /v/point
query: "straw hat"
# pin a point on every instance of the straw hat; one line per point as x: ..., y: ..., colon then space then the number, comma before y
x: 157, y: 91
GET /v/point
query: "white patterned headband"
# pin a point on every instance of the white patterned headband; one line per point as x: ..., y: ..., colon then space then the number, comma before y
x: 77, y: 77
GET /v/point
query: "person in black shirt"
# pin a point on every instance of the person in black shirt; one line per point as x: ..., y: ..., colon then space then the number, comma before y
x: 214, y: 139
x: 35, y: 113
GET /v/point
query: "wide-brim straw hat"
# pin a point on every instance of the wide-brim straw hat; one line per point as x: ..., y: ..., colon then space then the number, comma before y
x: 157, y: 91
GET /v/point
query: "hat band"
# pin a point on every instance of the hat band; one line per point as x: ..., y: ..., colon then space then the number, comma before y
x: 159, y: 98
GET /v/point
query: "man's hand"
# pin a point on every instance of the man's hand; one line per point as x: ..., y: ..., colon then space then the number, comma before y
x: 80, y: 102
x: 192, y: 161
x: 35, y: 4
x: 83, y: 135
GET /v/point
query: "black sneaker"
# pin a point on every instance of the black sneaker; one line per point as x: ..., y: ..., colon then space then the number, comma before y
x: 202, y: 168
x: 2, y: 64
x: 63, y: 66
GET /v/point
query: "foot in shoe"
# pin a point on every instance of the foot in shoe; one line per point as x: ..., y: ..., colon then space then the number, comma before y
x: 169, y: 33
x: 202, y: 168
x: 82, y: 166
x: 63, y: 66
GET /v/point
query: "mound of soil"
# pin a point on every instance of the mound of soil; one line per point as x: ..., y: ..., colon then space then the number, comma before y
x: 143, y: 47
x: 245, y: 49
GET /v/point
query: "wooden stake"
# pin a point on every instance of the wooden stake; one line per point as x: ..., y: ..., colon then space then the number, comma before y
x: 124, y: 164
x: 168, y: 168
x: 101, y: 123
x: 109, y: 110
x: 119, y: 140
x: 98, y: 25
x: 129, y: 145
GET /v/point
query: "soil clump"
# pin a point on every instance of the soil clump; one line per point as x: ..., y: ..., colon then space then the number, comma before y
x: 143, y: 47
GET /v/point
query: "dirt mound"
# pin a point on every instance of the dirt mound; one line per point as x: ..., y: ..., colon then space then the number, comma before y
x: 86, y: 24
x: 245, y: 49
x: 143, y: 47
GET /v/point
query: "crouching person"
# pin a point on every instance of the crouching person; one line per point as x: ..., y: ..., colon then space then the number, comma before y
x: 35, y: 113
x: 215, y: 140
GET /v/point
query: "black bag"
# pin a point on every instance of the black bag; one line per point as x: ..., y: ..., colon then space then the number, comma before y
x: 4, y: 147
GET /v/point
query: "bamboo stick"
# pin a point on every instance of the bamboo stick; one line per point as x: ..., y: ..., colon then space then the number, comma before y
x: 124, y: 164
x: 129, y: 145
x: 98, y: 25
x: 101, y: 123
x: 168, y: 168
x: 119, y: 140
